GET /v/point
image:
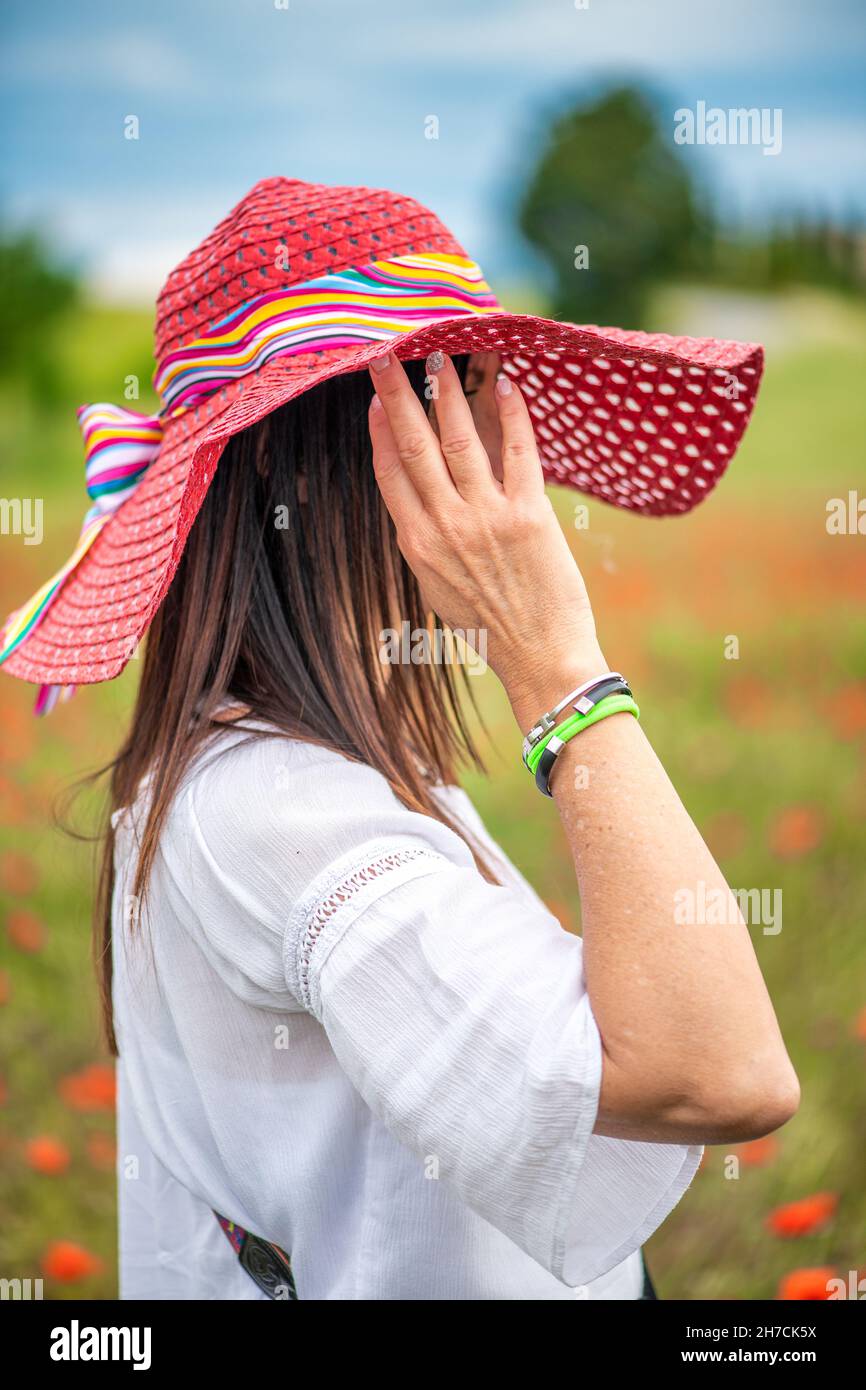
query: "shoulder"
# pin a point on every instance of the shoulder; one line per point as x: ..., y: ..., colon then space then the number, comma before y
x: 268, y: 816
x: 259, y: 779
x: 264, y: 784
x: 264, y: 837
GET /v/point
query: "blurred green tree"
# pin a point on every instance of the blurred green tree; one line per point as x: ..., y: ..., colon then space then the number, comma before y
x: 34, y: 294
x: 610, y: 180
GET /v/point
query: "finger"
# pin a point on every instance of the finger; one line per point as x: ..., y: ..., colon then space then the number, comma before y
x: 521, y: 465
x: 481, y: 373
x: 417, y: 445
x: 397, y: 489
x: 464, y: 453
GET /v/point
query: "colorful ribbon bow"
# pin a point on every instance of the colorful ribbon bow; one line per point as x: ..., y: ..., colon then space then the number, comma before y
x: 119, y: 445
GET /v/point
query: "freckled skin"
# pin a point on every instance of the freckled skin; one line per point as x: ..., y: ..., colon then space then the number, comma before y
x: 691, y: 1048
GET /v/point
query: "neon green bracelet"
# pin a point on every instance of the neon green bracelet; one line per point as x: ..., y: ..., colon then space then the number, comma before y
x: 576, y: 723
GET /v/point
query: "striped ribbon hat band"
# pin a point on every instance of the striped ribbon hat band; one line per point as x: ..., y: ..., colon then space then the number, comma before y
x: 371, y: 303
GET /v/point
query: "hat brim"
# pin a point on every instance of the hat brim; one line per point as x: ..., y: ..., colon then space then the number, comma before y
x: 646, y: 422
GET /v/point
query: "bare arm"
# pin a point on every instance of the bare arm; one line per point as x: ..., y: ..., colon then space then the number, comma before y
x: 692, y: 1050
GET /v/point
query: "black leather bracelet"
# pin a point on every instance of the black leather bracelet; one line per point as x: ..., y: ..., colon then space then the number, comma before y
x: 548, y: 722
x: 615, y: 686
x: 546, y: 764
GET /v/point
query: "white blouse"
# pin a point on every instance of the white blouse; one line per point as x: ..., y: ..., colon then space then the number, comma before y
x: 334, y: 1031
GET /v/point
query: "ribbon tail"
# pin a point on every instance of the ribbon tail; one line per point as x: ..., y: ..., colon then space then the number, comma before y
x: 25, y: 619
x: 50, y: 695
x: 119, y: 447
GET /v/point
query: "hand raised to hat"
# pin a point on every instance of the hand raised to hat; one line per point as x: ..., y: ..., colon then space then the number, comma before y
x: 480, y: 533
x: 691, y: 1048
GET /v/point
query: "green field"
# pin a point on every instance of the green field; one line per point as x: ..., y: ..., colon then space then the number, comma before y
x: 768, y: 751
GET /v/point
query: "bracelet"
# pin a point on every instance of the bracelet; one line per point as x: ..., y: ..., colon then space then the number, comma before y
x: 544, y: 763
x: 588, y: 696
x: 547, y: 723
x: 616, y: 685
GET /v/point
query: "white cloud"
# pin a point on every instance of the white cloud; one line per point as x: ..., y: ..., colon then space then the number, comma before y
x: 120, y: 245
x: 137, y: 60
x: 657, y: 36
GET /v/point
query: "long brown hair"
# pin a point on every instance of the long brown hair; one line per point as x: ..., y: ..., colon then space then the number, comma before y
x: 290, y: 574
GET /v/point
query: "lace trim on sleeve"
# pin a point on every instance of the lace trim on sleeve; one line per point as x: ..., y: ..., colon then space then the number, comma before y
x: 327, y: 909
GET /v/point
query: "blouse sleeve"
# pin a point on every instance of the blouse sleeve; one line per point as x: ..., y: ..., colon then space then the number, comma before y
x: 458, y: 1009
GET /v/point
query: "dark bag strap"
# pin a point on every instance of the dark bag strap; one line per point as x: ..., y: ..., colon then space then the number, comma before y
x: 267, y: 1265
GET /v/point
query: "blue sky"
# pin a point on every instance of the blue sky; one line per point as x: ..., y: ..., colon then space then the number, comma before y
x: 336, y: 91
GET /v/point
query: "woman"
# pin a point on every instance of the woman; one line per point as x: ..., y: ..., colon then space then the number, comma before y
x: 358, y: 1058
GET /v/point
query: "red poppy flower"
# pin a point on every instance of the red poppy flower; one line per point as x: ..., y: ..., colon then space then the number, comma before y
x: 807, y: 1284
x: 68, y: 1263
x: 629, y: 590
x: 47, y: 1155
x: 847, y: 710
x: 758, y: 1152
x: 805, y: 1217
x: 12, y: 805
x: 18, y: 874
x: 796, y: 831
x: 92, y: 1088
x: 860, y: 1025
x: 17, y: 736
x: 25, y: 930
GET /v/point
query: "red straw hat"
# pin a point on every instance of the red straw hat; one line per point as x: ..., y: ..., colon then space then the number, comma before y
x: 300, y: 283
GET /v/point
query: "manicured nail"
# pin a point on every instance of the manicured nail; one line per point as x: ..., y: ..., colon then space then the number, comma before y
x: 436, y: 361
x: 503, y: 385
x: 375, y: 403
x: 379, y: 364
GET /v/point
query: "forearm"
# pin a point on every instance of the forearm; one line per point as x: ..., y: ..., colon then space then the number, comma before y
x: 691, y: 1045
x: 692, y: 1050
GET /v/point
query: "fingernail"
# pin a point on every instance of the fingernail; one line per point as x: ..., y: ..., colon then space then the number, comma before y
x: 379, y: 364
x: 503, y: 385
x: 375, y: 403
x: 436, y: 361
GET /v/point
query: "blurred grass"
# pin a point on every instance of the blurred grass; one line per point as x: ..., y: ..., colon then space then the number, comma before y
x: 760, y: 747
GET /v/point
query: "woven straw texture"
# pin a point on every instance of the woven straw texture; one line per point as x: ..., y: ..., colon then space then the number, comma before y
x: 645, y: 422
